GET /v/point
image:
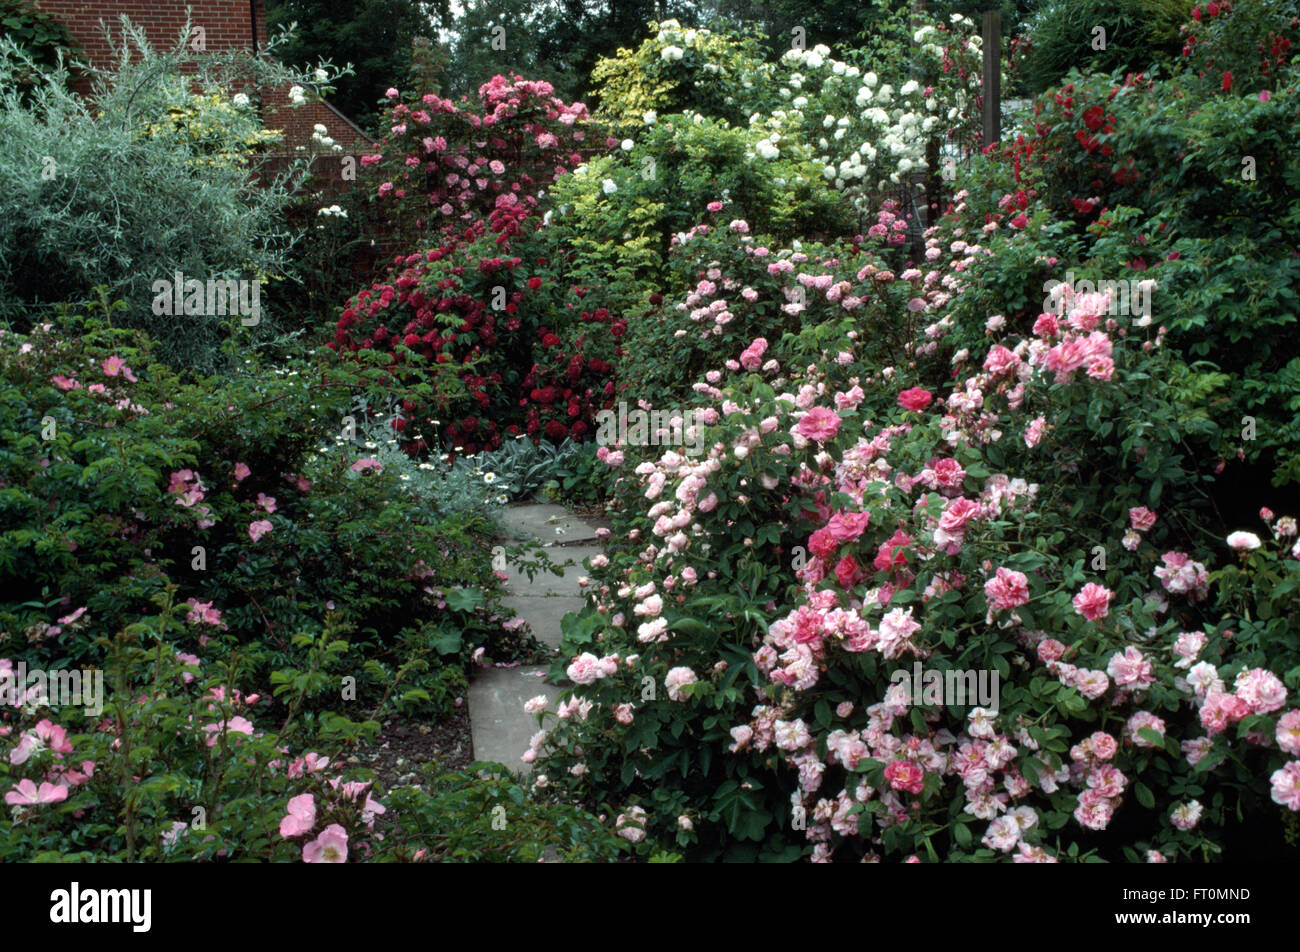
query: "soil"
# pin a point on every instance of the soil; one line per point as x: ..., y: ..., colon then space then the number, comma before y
x: 404, y: 746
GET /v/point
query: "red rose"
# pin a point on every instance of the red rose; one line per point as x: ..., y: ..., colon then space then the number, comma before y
x: 915, y: 399
x: 847, y: 572
x: 892, y: 554
x: 556, y: 430
x: 1227, y: 81
x: 534, y: 284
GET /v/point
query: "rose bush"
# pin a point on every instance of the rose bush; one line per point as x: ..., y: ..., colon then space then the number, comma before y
x: 747, y: 709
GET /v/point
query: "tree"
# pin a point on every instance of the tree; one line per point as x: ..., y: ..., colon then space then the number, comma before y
x: 375, y: 36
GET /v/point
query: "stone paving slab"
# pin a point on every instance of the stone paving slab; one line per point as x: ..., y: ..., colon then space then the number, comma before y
x: 543, y: 613
x: 540, y: 521
x: 544, y: 583
x: 498, y: 725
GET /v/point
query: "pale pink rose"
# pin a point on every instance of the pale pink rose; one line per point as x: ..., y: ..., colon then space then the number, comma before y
x: 1286, y: 786
x: 259, y: 528
x: 1130, y: 668
x: 535, y: 705
x: 741, y: 735
x: 1261, y: 690
x: 1243, y: 541
x: 676, y: 679
x: 26, y: 793
x: 623, y: 713
x: 242, y: 472
x: 1103, y: 745
x: 1185, y: 816
x: 330, y: 847
x: 1143, y: 720
x: 301, y: 816
x: 1288, y: 732
x: 586, y: 669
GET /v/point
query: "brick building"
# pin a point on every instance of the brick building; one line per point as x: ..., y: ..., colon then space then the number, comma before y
x: 227, y: 25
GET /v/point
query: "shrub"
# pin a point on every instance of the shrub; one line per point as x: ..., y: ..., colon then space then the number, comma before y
x: 958, y: 535
x: 472, y: 309
x: 443, y: 166
x: 1205, y: 228
x: 183, y: 768
x: 153, y: 181
x: 1138, y: 33
x: 1247, y: 45
x: 122, y: 482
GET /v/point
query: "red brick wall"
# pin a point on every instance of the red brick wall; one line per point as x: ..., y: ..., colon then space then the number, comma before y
x: 227, y: 26
x: 225, y: 22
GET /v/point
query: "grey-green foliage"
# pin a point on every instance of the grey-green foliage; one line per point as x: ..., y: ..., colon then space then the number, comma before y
x: 476, y: 485
x: 148, y: 177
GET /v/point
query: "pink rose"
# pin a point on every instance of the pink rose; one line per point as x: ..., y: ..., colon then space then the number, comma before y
x: 1142, y: 518
x: 915, y: 399
x: 1093, y: 601
x: 1007, y: 589
x: 330, y: 847
x: 819, y: 423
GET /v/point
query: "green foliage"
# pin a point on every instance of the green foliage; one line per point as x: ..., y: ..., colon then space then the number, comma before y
x: 1138, y: 33
x: 152, y: 181
x: 44, y: 39
x: 105, y: 506
x: 1210, y: 228
x: 178, y: 767
x: 373, y: 36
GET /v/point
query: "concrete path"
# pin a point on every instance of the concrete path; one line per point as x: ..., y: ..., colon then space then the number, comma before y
x: 500, y: 728
x: 546, y: 523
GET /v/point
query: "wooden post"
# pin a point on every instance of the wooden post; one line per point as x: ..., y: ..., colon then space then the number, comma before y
x: 992, y: 77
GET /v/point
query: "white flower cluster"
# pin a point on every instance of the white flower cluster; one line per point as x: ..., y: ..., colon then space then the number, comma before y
x: 319, y: 135
x: 868, y: 134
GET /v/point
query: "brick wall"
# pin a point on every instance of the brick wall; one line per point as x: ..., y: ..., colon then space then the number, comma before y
x: 228, y: 25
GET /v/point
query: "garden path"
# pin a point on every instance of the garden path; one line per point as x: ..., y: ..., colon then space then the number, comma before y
x: 500, y: 728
